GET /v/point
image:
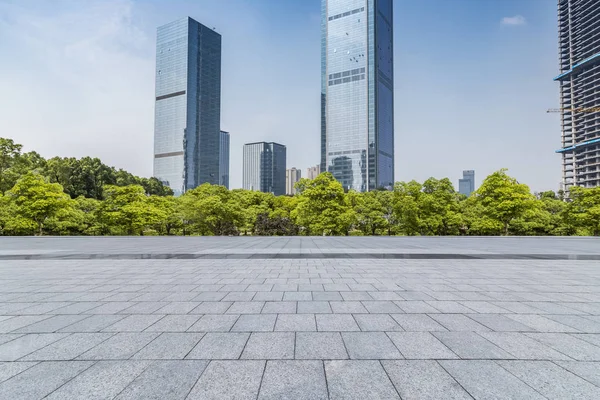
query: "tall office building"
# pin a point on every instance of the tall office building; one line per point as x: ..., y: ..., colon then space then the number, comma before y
x: 579, y: 60
x: 466, y: 185
x: 313, y: 172
x: 292, y: 176
x: 188, y: 105
x: 264, y: 167
x: 224, y: 159
x: 357, y: 92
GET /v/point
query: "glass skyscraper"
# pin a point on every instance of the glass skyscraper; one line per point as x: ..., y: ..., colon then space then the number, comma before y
x: 357, y: 92
x: 224, y: 159
x: 264, y: 167
x: 466, y: 185
x: 188, y: 105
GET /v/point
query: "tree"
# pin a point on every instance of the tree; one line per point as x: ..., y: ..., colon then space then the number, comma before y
x: 504, y: 199
x: 38, y: 201
x: 584, y: 209
x: 126, y: 209
x: 322, y: 209
x: 211, y: 210
x: 406, y: 207
x: 438, y: 205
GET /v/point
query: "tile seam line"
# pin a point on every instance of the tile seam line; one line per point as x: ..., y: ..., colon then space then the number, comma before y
x: 516, y: 377
x: 69, y: 380
x: 454, y: 379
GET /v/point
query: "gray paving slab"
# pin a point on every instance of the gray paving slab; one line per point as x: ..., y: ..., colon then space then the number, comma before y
x: 169, y: 346
x: 42, y: 379
x: 523, y: 347
x: 459, y: 323
x: 320, y: 346
x: 313, y: 307
x: 68, y: 348
x: 219, y: 346
x: 173, y: 323
x: 423, y: 379
x: 10, y: 369
x: 296, y: 322
x: 590, y: 371
x: 279, y: 307
x: 51, y: 324
x: 370, y: 346
x: 255, y: 323
x: 93, y: 323
x: 237, y: 380
x: 500, y: 323
x: 212, y: 307
x: 26, y: 344
x: 541, y: 323
x: 358, y: 379
x: 580, y: 323
x: 120, y: 346
x: 420, y: 345
x: 485, y: 379
x: 133, y: 323
x: 293, y: 380
x: 7, y: 337
x: 552, y: 381
x: 418, y: 323
x: 569, y: 345
x: 164, y: 380
x: 336, y: 323
x: 270, y: 346
x: 214, y: 323
x: 470, y: 345
x: 376, y: 322
x: 103, y: 380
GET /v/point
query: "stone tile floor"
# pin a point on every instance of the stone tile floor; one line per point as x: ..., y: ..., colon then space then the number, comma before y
x: 299, y: 329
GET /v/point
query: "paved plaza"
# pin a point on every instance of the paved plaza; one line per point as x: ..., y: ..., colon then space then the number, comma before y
x: 299, y: 318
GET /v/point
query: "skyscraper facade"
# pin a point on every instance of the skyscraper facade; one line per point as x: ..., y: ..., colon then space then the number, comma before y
x: 579, y: 61
x: 313, y: 172
x: 292, y: 176
x: 188, y: 105
x: 264, y: 167
x: 357, y: 92
x: 224, y: 159
x: 466, y: 185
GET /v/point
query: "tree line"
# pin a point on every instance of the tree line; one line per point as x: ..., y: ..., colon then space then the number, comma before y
x: 67, y: 196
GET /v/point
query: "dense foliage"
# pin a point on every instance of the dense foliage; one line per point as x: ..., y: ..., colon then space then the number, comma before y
x: 65, y: 196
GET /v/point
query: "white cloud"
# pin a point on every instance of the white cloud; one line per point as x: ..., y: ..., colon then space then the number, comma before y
x: 516, y: 20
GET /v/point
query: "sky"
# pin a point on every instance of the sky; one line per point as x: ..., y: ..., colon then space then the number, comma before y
x: 473, y: 81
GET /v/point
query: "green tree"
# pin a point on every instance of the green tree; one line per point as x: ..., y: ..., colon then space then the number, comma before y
x: 37, y: 201
x: 406, y: 207
x: 439, y: 211
x: 211, y: 210
x: 584, y: 209
x: 127, y: 210
x: 322, y: 209
x: 504, y: 199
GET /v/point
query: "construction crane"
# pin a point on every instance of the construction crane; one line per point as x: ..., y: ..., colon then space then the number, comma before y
x: 574, y: 110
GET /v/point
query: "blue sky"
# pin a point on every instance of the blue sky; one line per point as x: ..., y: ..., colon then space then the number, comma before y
x: 473, y: 80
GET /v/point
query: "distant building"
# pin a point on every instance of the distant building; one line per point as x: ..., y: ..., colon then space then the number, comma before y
x: 264, y: 167
x: 579, y: 63
x: 292, y: 176
x: 187, y: 105
x: 357, y: 92
x: 224, y: 159
x: 313, y: 172
x: 466, y: 185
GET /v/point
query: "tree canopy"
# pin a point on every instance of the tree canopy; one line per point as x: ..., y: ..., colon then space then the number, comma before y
x: 68, y: 196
